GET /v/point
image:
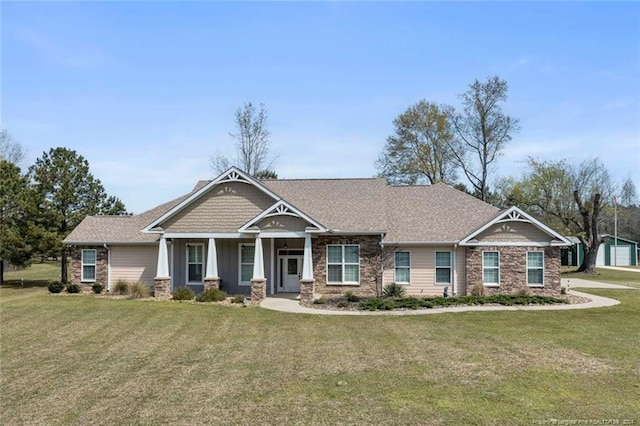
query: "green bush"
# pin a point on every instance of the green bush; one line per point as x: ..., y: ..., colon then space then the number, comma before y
x: 73, y: 288
x: 183, y: 293
x: 211, y: 295
x: 563, y: 290
x: 371, y: 304
x: 351, y: 297
x: 393, y: 290
x: 342, y: 304
x: 139, y: 290
x: 55, y: 287
x: 121, y: 287
x: 320, y: 301
x: 97, y: 288
x: 432, y: 302
x: 238, y: 298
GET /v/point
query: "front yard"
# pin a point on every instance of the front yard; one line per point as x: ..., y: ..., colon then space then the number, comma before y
x: 84, y: 359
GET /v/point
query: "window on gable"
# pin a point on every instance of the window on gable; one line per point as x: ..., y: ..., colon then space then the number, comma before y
x: 89, y: 257
x: 491, y: 268
x: 195, y: 263
x: 443, y: 268
x: 535, y: 268
x: 402, y: 267
x: 343, y: 264
x: 247, y: 252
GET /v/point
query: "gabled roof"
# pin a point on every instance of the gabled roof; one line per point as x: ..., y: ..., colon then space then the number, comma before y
x: 514, y: 214
x: 404, y: 214
x: 620, y: 238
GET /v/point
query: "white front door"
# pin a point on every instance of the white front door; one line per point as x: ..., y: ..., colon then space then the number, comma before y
x: 291, y: 273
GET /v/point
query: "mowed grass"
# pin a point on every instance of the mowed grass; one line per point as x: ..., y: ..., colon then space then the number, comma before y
x: 629, y: 278
x: 90, y: 360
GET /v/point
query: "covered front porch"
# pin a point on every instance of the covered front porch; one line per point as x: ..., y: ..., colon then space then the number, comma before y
x: 254, y: 265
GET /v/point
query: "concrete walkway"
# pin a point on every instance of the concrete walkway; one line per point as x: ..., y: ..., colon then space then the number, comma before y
x: 620, y: 268
x: 293, y: 306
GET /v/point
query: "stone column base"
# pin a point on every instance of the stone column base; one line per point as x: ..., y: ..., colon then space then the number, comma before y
x: 258, y: 289
x: 307, y: 291
x: 162, y: 288
x: 211, y: 282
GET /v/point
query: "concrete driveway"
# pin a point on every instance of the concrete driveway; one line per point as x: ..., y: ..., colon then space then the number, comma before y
x: 577, y: 282
x: 619, y: 268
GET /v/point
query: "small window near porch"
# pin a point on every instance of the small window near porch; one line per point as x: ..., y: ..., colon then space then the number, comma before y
x: 195, y: 263
x: 247, y: 252
x: 88, y: 265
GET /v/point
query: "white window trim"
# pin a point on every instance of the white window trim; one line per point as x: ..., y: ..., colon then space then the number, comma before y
x: 395, y: 267
x: 536, y: 284
x: 95, y: 266
x: 186, y: 263
x: 492, y: 267
x: 450, y: 267
x: 240, y: 282
x: 343, y: 263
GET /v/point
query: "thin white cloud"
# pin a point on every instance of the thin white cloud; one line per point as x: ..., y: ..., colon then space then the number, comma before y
x: 57, y: 52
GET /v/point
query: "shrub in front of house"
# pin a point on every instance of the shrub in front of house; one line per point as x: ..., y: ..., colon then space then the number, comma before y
x: 73, y: 288
x: 375, y: 304
x: 351, y: 297
x: 138, y: 290
x: 121, y: 287
x: 211, y: 295
x: 238, y: 298
x: 183, y: 293
x: 97, y: 288
x: 55, y: 287
x: 320, y: 301
x: 393, y: 290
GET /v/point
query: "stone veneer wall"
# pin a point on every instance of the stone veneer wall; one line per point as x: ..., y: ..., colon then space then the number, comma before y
x: 370, y: 273
x: 513, y: 270
x: 102, y: 267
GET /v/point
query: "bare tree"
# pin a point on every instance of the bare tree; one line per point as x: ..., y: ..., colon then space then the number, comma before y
x: 569, y: 198
x: 252, y: 143
x: 483, y: 131
x: 10, y: 149
x: 420, y: 149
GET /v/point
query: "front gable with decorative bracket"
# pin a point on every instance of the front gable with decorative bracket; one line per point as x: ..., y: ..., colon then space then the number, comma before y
x: 514, y: 227
x: 282, y: 216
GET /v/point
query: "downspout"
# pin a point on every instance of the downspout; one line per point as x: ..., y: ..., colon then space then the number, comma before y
x: 454, y: 286
x: 379, y: 292
x: 108, y: 267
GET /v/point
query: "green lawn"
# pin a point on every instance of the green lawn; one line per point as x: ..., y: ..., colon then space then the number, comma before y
x: 85, y: 360
x: 614, y: 276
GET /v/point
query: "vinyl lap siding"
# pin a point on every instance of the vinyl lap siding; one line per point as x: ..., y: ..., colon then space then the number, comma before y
x: 133, y: 263
x: 423, y: 273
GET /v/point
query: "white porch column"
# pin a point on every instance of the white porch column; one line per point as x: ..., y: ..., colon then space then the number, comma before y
x: 212, y: 260
x: 258, y: 261
x: 307, y: 263
x: 162, y: 271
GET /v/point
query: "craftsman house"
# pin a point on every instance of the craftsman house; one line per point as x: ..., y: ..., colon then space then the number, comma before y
x: 320, y: 237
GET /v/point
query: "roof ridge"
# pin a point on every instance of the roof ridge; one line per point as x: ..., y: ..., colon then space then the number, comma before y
x: 320, y: 179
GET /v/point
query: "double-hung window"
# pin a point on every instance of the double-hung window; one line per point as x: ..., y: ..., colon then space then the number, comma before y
x: 402, y: 267
x: 89, y: 265
x: 343, y: 264
x: 535, y: 268
x: 443, y: 268
x: 247, y: 252
x: 195, y: 263
x: 491, y: 268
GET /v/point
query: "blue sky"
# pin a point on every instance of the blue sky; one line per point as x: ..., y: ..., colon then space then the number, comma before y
x: 146, y: 91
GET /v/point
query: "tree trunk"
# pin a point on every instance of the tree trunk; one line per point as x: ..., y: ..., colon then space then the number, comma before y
x: 63, y: 266
x: 1, y: 271
x: 588, y: 265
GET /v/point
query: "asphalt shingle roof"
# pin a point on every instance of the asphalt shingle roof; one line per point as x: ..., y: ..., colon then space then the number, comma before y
x: 435, y: 213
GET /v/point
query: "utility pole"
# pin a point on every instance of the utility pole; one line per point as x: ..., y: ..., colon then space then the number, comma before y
x: 615, y: 231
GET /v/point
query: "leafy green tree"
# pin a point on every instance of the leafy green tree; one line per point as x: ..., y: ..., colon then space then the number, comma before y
x: 15, y: 241
x: 482, y: 131
x: 568, y: 197
x: 252, y: 143
x: 421, y: 148
x: 67, y: 192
